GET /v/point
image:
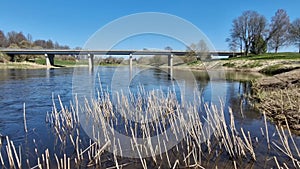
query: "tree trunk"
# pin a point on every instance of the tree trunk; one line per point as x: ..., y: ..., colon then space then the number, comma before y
x: 276, y: 49
x: 246, y: 50
x: 241, y: 47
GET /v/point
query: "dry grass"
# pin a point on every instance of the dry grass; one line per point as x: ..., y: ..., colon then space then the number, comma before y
x: 280, y: 104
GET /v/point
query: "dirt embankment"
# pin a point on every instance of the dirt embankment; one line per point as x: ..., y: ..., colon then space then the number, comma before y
x: 279, y: 97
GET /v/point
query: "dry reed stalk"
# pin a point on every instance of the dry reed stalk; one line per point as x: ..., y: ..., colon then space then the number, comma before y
x: 65, y: 161
x: 241, y: 109
x: 267, y: 131
x: 9, y: 154
x: 195, y: 166
x: 234, y: 164
x: 166, y: 151
x: 57, y: 161
x: 121, y: 166
x: 1, y: 158
x: 69, y: 163
x: 290, y: 134
x: 249, y: 144
x: 115, y: 158
x: 89, y: 147
x: 278, y: 166
x: 28, y: 164
x: 175, y: 164
x: 62, y: 163
x: 16, y: 155
x: 72, y: 141
x: 262, y: 132
x: 100, y: 151
x: 47, y: 156
x: 286, y: 148
x: 24, y: 115
x: 288, y: 167
x: 138, y: 150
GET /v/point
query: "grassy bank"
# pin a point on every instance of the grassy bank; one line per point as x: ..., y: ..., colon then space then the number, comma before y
x: 269, y: 56
x: 269, y: 63
x: 59, y: 62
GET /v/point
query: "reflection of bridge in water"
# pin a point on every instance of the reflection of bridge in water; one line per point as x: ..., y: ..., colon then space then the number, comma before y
x: 50, y: 54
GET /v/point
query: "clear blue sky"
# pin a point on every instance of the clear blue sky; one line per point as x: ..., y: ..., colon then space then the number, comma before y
x: 73, y: 22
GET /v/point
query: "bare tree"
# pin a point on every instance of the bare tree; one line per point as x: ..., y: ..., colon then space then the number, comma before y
x: 49, y: 44
x: 234, y: 44
x: 168, y: 48
x: 15, y: 38
x: 41, y: 43
x: 3, y: 40
x: 248, y: 29
x: 29, y: 39
x: 278, y: 30
x: 294, y: 33
x: 199, y: 49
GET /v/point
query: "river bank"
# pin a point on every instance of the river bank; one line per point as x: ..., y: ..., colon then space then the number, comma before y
x: 37, y: 65
x: 21, y: 65
x: 279, y: 97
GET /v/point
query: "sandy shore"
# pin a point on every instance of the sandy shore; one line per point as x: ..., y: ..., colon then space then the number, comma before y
x: 31, y: 65
x: 21, y: 65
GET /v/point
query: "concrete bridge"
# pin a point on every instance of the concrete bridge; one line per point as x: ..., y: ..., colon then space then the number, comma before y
x: 50, y: 54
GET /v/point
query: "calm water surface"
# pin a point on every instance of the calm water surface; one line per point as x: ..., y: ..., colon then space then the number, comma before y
x: 36, y: 88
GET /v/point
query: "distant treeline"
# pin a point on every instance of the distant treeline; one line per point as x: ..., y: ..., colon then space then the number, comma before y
x: 15, y: 39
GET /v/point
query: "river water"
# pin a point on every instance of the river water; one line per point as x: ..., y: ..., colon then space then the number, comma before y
x: 37, y: 87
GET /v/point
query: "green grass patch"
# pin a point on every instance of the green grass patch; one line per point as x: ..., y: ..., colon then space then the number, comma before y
x: 57, y: 62
x: 193, y: 63
x: 269, y: 56
x: 229, y: 64
x: 276, y: 69
x: 40, y: 61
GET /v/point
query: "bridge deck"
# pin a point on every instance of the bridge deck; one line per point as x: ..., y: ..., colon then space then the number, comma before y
x: 104, y: 52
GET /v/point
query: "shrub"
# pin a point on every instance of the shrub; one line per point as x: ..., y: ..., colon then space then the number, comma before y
x: 229, y: 64
x: 4, y: 58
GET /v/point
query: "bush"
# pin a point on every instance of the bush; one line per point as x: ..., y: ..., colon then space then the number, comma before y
x: 4, y: 58
x: 189, y: 58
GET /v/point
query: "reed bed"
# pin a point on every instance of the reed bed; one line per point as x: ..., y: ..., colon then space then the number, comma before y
x: 199, y: 133
x: 280, y: 104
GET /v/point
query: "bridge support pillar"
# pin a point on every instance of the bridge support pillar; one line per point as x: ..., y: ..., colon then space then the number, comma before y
x: 49, y: 59
x: 170, y: 64
x: 91, y: 61
x: 130, y: 61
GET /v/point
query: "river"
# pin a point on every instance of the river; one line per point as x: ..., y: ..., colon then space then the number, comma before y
x: 37, y: 87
